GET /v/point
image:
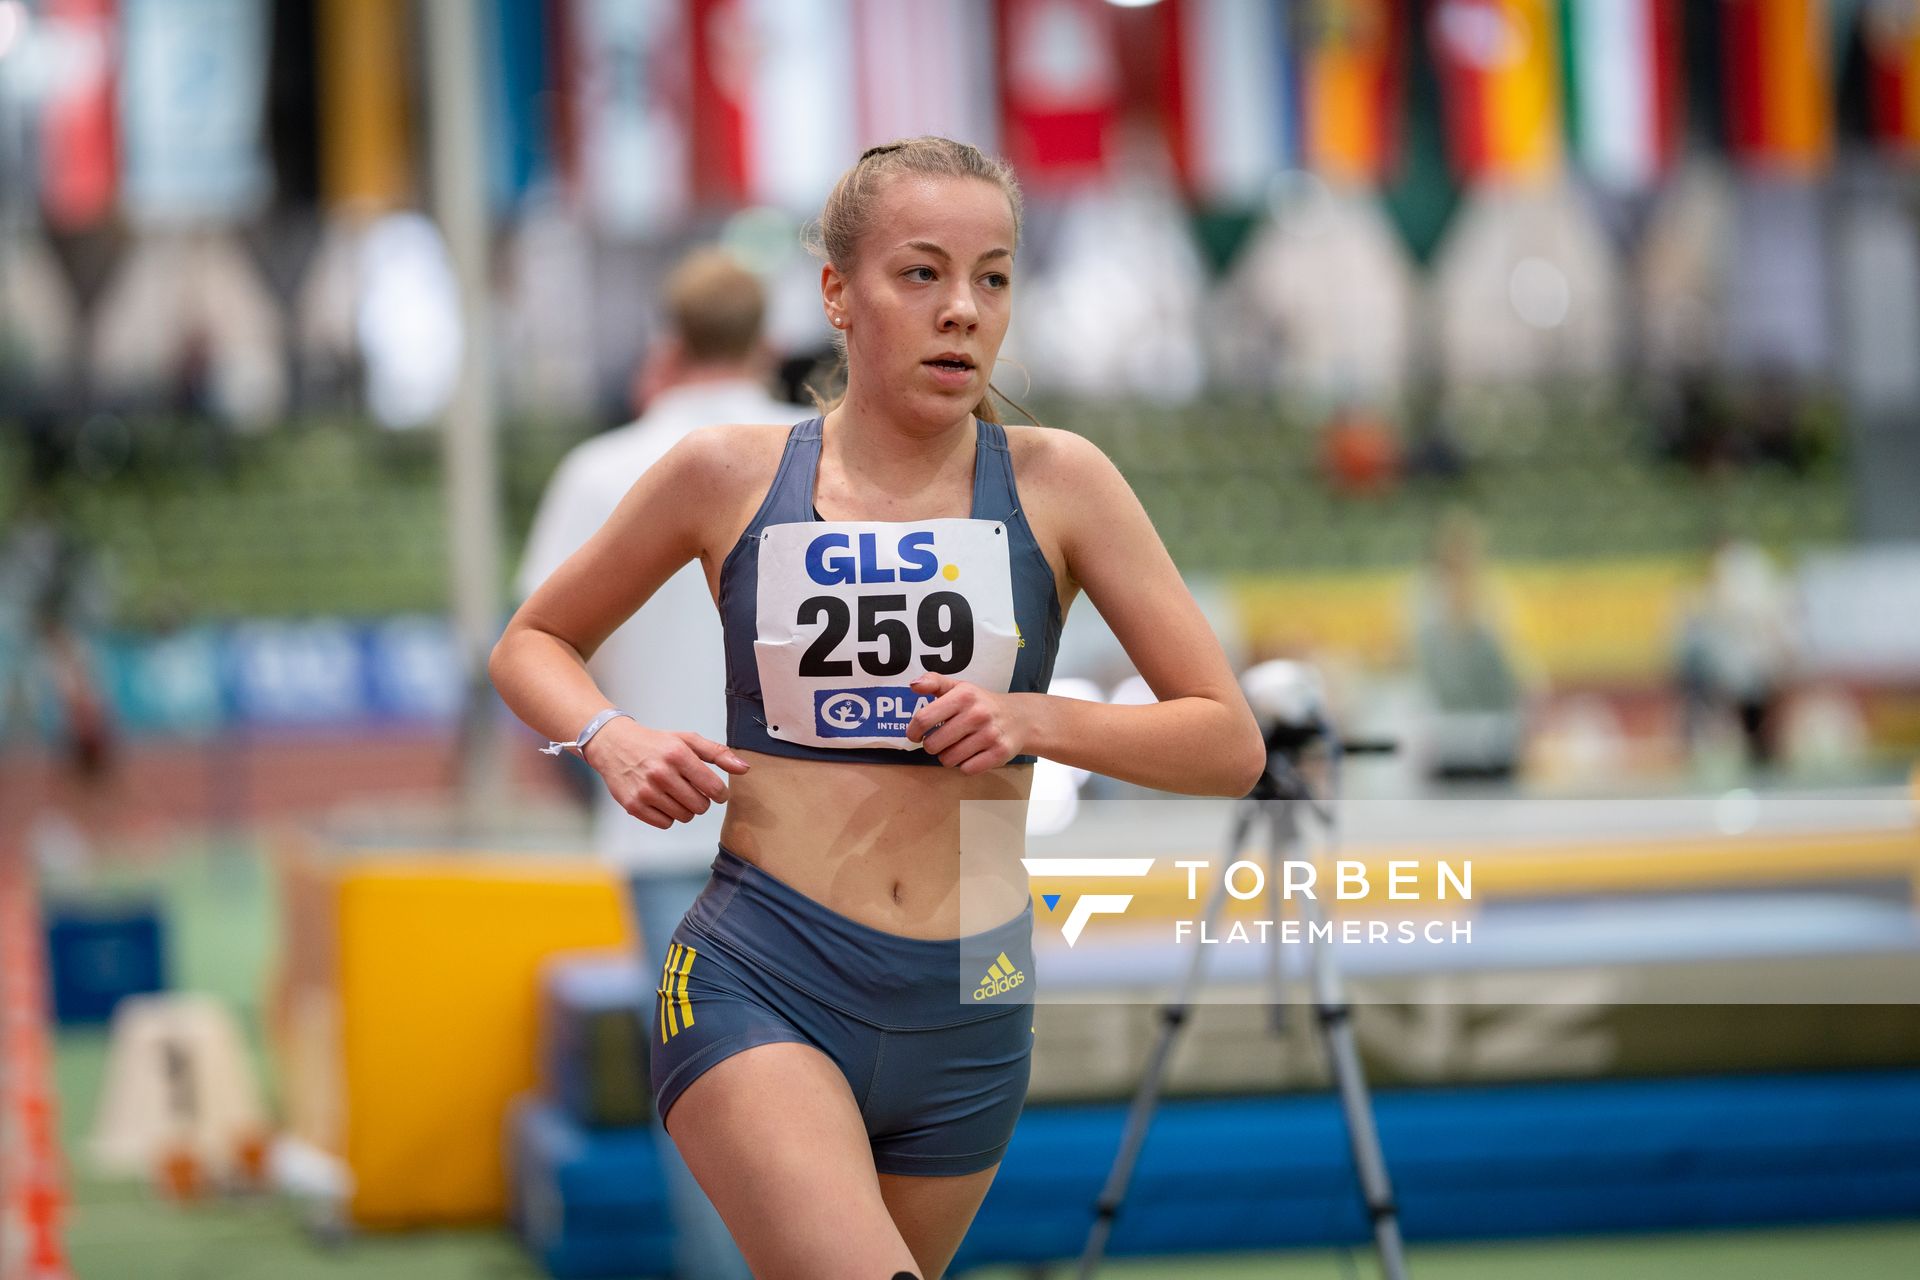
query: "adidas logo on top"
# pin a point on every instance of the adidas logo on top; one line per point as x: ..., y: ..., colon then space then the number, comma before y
x: 1001, y: 978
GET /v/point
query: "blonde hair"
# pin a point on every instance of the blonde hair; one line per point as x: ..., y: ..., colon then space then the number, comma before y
x: 716, y: 307
x: 849, y: 211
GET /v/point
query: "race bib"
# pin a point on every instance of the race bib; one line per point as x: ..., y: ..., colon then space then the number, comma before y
x: 850, y: 611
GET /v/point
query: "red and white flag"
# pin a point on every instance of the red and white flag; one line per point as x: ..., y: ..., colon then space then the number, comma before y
x: 1232, y: 66
x: 80, y: 143
x: 626, y: 111
x: 1061, y: 97
x: 773, y: 109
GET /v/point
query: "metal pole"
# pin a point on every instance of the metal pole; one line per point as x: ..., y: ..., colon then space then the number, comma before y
x: 468, y: 453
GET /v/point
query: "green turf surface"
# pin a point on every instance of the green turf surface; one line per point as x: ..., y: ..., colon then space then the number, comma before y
x: 220, y: 922
x: 1890, y: 1252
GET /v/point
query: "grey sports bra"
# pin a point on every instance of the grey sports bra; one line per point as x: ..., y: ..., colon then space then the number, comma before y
x: 789, y: 500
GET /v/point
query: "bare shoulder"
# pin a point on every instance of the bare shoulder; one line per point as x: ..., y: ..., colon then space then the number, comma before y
x: 1056, y: 460
x: 1072, y: 493
x: 1065, y: 476
x: 729, y: 455
x: 721, y: 474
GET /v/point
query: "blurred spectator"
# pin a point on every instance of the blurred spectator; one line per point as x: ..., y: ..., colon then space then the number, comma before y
x: 666, y: 664
x: 1765, y: 423
x: 1462, y: 646
x: 53, y: 598
x: 1694, y: 427
x: 1736, y: 649
x: 1359, y: 452
x: 1434, y: 450
x: 1773, y: 425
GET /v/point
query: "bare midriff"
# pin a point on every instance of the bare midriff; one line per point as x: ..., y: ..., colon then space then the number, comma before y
x: 882, y: 844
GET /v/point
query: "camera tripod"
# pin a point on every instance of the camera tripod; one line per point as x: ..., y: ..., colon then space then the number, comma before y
x: 1280, y: 797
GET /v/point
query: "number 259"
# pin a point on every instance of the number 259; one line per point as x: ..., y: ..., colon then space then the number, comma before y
x: 944, y: 622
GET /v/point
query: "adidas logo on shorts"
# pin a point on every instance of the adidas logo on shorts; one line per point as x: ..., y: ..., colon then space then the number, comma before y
x: 1001, y: 978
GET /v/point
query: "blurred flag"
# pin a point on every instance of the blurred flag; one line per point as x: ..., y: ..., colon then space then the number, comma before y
x: 801, y: 107
x: 79, y: 145
x: 1228, y: 68
x: 1891, y: 31
x: 1421, y: 193
x: 626, y: 84
x: 365, y: 156
x: 773, y: 121
x: 1061, y: 98
x: 1624, y: 101
x: 719, y: 38
x: 1353, y: 79
x: 519, y: 80
x: 1778, y: 84
x: 902, y: 92
x: 1501, y: 81
x: 192, y: 91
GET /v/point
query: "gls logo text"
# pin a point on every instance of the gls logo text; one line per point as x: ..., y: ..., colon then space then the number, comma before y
x: 831, y: 560
x: 1091, y: 904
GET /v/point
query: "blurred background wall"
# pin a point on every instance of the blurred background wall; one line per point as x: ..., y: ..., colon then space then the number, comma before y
x: 1612, y: 286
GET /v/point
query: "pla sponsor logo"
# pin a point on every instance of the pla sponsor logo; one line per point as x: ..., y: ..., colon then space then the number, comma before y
x: 1001, y: 978
x: 835, y: 559
x: 1088, y: 905
x: 879, y: 712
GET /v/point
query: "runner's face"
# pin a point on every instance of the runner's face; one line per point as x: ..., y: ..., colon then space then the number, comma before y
x: 933, y: 281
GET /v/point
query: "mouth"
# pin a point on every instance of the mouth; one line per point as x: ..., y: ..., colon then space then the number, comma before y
x: 952, y: 363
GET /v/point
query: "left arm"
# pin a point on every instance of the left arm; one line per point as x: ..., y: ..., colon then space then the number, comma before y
x: 1200, y: 738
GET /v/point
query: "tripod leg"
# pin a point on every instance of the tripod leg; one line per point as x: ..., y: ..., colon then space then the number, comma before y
x: 1368, y: 1161
x: 1335, y: 1017
x: 1282, y: 831
x: 1146, y: 1097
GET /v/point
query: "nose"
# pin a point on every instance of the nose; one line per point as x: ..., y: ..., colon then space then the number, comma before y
x: 957, y: 309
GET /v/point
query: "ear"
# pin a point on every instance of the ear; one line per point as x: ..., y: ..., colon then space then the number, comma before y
x: 833, y: 292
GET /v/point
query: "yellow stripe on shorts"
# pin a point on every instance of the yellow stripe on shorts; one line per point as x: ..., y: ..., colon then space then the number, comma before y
x: 686, y: 1006
x: 666, y: 992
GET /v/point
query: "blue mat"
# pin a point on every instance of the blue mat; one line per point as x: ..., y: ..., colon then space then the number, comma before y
x: 593, y: 1038
x: 586, y: 1202
x: 100, y: 953
x: 1274, y: 1172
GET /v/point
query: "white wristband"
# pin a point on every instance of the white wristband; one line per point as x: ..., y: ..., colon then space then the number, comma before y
x: 586, y: 735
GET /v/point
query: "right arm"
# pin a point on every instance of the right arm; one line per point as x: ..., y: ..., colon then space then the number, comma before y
x: 539, y: 665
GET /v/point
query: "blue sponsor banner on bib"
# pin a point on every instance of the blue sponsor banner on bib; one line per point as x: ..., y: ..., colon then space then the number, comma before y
x: 880, y: 711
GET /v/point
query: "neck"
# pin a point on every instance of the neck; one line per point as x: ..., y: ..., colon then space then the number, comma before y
x: 701, y: 374
x: 893, y: 450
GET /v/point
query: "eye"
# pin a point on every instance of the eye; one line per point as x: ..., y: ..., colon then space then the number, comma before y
x: 996, y: 280
x: 919, y: 273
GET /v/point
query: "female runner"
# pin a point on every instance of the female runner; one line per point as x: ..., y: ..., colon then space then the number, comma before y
x: 839, y: 1064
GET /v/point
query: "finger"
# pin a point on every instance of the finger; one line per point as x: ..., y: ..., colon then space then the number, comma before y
x: 987, y: 760
x: 932, y: 682
x: 955, y: 729
x: 675, y: 811
x: 980, y: 740
x: 714, y: 753
x: 942, y: 709
x: 650, y: 815
x: 706, y: 782
x: 677, y: 791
